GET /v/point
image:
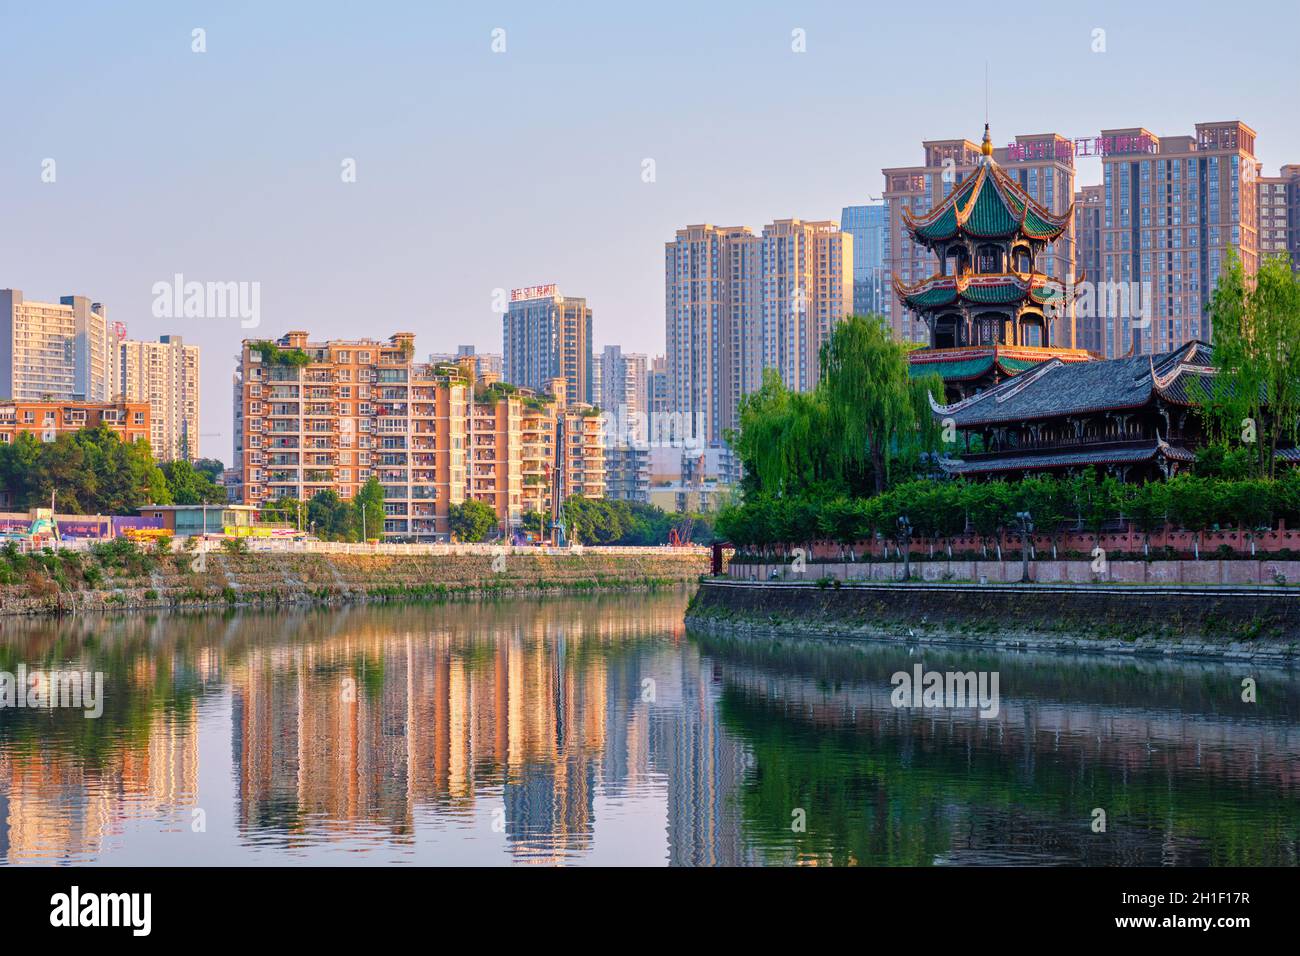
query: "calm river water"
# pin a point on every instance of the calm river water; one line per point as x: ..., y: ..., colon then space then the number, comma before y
x: 597, y: 730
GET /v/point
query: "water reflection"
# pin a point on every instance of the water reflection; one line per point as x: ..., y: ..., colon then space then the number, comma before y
x: 596, y: 730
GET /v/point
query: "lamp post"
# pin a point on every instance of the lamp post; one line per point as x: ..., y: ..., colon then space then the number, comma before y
x: 1026, y: 529
x: 905, y: 536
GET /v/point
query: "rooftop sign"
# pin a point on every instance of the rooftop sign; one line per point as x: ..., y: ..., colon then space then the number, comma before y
x: 547, y: 291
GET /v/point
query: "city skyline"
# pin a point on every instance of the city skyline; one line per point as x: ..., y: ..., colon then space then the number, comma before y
x: 205, y: 176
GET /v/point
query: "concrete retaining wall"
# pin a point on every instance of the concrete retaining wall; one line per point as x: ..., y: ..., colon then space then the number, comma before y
x: 1161, y: 620
x: 1209, y: 571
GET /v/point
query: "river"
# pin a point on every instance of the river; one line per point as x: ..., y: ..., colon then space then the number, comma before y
x: 597, y: 730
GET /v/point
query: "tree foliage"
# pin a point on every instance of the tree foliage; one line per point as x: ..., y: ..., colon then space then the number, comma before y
x: 90, y: 471
x: 1255, y: 397
x: 472, y: 520
x: 866, y: 424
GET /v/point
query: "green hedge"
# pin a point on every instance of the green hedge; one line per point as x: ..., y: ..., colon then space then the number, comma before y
x: 943, y: 509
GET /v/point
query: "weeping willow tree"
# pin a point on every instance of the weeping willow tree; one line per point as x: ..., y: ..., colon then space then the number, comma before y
x: 878, y: 412
x: 864, y: 418
x: 1255, y: 397
x: 783, y: 439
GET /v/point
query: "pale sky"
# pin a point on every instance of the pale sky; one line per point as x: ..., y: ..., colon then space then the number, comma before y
x: 478, y: 170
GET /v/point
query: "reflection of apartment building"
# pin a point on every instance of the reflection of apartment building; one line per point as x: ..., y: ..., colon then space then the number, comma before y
x: 48, y: 420
x: 53, y: 350
x: 1043, y: 166
x: 1173, y: 207
x: 166, y: 375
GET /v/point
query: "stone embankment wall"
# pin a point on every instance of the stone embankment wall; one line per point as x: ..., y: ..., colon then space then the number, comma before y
x: 1221, y: 623
x: 84, y: 583
x: 1206, y: 571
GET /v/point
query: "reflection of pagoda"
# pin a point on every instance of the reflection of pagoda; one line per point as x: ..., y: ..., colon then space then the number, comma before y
x: 990, y: 313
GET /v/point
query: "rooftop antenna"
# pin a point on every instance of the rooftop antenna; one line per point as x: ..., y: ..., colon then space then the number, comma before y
x: 986, y: 148
x: 986, y: 92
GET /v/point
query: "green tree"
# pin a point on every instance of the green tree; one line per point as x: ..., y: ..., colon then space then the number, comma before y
x: 368, y: 509
x: 472, y: 520
x: 1255, y: 397
x: 331, y: 518
x: 877, y: 411
x: 188, y: 486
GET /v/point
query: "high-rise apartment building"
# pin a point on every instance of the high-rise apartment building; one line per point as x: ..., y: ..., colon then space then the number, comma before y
x: 807, y: 275
x: 545, y: 336
x: 623, y: 380
x: 660, y: 397
x: 736, y: 303
x: 867, y: 225
x: 1088, y: 217
x: 166, y: 375
x: 1278, y: 206
x: 1042, y: 164
x: 712, y: 302
x: 316, y: 416
x: 1291, y: 173
x: 496, y: 448
x: 627, y: 472
x: 53, y: 350
x: 1174, y: 206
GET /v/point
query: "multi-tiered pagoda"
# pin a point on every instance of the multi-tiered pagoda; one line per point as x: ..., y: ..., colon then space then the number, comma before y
x: 990, y: 313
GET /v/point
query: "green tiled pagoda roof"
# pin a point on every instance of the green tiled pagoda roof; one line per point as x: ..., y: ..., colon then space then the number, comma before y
x: 944, y: 227
x: 988, y: 204
x: 988, y: 214
x: 1007, y: 292
x: 1014, y: 365
x: 933, y: 297
x: 952, y: 370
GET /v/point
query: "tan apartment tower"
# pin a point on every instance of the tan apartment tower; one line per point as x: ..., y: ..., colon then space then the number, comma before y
x: 1173, y: 206
x: 325, y: 415
x: 166, y: 375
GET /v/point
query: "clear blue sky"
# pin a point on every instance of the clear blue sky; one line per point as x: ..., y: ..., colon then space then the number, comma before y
x: 478, y: 170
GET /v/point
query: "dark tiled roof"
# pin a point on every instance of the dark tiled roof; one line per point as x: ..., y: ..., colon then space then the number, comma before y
x: 1121, y: 453
x: 1059, y: 388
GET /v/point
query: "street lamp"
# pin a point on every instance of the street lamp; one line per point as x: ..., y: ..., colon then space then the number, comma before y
x: 1026, y: 529
x: 905, y: 536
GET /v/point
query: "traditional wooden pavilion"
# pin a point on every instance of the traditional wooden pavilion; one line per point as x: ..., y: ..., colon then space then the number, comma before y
x: 990, y: 313
x: 1134, y: 418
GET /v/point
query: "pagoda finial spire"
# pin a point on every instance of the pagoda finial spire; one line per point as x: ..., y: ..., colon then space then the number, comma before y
x: 987, y: 146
